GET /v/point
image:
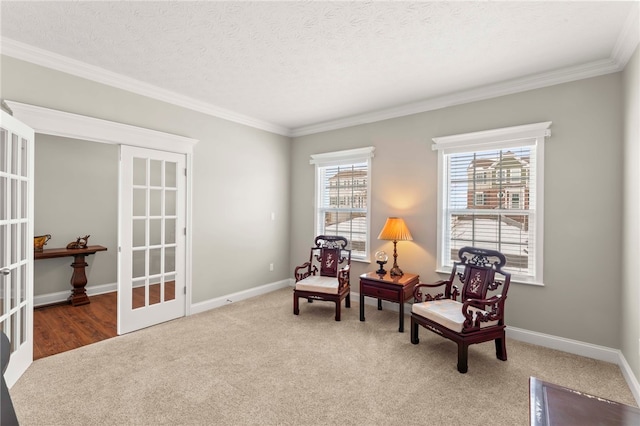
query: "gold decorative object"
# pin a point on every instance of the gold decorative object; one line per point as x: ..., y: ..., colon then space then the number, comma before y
x: 79, y: 243
x: 40, y: 241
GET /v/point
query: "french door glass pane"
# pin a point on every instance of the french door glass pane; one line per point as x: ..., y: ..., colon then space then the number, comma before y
x: 138, y: 259
x: 155, y: 232
x: 139, y: 232
x: 155, y: 257
x: 169, y: 259
x: 154, y: 293
x: 155, y: 202
x: 170, y: 287
x: 15, y: 155
x: 170, y: 175
x: 155, y: 171
x: 4, y: 147
x: 169, y: 231
x: 138, y: 294
x: 170, y: 203
x: 139, y: 171
x: 139, y: 202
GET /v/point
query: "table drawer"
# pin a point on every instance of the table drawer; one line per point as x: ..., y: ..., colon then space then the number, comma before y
x: 381, y: 293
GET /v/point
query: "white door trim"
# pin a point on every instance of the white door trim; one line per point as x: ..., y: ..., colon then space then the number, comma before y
x: 64, y: 124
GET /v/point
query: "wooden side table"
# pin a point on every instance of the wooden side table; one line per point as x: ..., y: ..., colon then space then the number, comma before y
x: 79, y: 277
x: 386, y: 287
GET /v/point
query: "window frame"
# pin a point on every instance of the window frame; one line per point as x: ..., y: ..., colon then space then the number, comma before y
x: 502, y: 138
x: 343, y: 158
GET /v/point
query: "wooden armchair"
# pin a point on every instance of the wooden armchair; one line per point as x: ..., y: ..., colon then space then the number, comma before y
x: 326, y: 275
x: 478, y: 316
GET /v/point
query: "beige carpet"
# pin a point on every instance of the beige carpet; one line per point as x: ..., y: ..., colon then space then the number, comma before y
x: 254, y: 362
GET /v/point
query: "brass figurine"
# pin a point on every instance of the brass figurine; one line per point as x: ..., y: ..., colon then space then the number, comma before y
x: 80, y: 243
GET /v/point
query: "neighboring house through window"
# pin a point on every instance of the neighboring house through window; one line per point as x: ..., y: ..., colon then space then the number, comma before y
x: 504, y: 211
x: 343, y: 194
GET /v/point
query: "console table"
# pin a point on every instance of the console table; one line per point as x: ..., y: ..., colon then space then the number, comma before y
x: 79, y: 278
x: 551, y: 405
x: 386, y: 287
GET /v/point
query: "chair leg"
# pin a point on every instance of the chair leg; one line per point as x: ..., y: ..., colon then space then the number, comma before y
x: 338, y: 306
x: 296, y: 308
x: 347, y: 302
x: 414, y: 332
x: 463, y: 350
x: 501, y: 348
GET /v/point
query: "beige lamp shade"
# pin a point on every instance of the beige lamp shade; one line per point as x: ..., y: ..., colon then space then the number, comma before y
x: 395, y: 230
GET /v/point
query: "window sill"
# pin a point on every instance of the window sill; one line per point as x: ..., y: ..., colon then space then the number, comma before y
x: 514, y: 279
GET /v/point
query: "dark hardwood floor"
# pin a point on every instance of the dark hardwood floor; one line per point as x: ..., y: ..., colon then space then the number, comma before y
x: 62, y: 327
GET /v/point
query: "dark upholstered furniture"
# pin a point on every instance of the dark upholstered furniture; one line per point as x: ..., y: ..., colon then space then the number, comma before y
x: 325, y: 276
x: 479, y: 314
x: 7, y: 413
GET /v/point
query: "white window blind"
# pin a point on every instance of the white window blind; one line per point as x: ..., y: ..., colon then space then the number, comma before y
x: 490, y: 196
x: 343, y: 197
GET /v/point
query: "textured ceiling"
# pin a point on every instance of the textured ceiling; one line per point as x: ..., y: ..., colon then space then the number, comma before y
x: 298, y: 64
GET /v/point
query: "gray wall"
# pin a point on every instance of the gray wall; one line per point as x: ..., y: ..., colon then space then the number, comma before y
x: 581, y: 298
x: 630, y: 329
x: 76, y: 193
x: 241, y: 175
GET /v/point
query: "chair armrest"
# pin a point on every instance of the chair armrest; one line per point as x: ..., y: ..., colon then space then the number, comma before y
x: 419, y: 296
x: 303, y: 271
x: 473, y: 318
x: 344, y: 276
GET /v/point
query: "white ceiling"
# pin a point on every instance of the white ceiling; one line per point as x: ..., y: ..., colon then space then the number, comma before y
x: 300, y: 67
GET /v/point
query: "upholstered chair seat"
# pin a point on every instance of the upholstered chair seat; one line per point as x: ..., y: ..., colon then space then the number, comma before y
x: 318, y: 284
x: 448, y: 313
x: 470, y: 314
x: 325, y: 276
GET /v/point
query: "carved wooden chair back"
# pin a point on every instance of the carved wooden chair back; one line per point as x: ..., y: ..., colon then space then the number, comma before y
x: 331, y: 253
x: 476, y: 271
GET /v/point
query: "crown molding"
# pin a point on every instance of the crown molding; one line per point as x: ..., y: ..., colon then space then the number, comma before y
x: 628, y: 39
x: 536, y: 81
x: 67, y: 65
x: 626, y: 44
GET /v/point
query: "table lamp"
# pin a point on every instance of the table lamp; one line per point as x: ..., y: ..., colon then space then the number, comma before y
x: 395, y: 230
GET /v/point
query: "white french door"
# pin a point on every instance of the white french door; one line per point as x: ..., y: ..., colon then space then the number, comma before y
x: 152, y: 240
x: 16, y: 242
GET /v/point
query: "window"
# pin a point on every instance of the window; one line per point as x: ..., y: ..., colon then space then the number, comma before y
x: 515, y: 201
x: 343, y: 187
x: 515, y: 175
x: 509, y: 215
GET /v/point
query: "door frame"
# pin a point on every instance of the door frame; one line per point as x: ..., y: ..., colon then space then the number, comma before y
x: 68, y: 125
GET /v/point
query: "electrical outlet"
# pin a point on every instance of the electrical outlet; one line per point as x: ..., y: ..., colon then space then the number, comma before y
x: 271, y: 267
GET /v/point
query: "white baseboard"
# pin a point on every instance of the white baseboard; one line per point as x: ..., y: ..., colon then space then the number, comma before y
x: 61, y: 296
x: 199, y: 307
x: 575, y: 347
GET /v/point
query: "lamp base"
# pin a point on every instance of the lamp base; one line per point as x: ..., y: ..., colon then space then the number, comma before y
x: 396, y: 271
